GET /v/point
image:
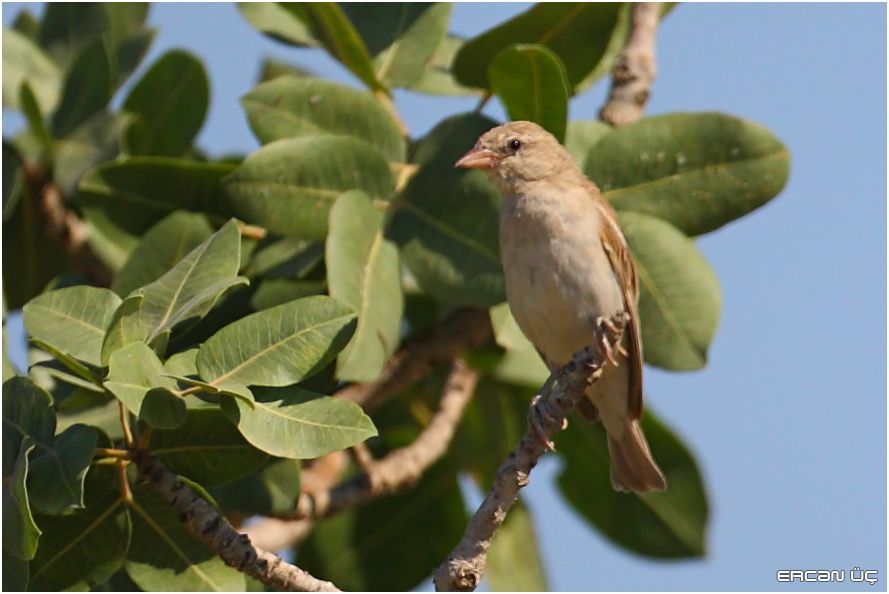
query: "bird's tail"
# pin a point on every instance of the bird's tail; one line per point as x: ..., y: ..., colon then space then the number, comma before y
x: 632, y: 466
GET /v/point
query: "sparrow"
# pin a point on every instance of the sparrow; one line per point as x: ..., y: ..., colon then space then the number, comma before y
x: 567, y: 269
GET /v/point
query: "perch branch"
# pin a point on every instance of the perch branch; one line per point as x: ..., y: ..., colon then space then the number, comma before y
x: 463, y: 569
x: 635, y: 68
x: 203, y: 521
x: 64, y: 227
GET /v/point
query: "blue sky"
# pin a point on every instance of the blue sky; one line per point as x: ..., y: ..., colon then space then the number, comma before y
x: 788, y: 420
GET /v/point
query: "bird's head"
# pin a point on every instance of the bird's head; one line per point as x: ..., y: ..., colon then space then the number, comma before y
x: 517, y: 152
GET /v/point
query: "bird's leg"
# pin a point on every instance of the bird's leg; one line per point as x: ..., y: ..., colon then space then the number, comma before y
x: 605, y: 342
x: 537, y: 416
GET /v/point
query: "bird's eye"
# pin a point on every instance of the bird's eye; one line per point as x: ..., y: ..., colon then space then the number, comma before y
x: 515, y: 144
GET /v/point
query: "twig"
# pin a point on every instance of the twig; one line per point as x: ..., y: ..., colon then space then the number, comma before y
x: 464, y: 329
x: 64, y: 227
x: 203, y: 521
x: 463, y: 569
x: 125, y: 424
x: 635, y: 68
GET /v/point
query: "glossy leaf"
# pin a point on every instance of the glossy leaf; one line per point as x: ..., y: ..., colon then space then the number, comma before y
x: 671, y: 524
x: 446, y: 221
x: 67, y: 27
x: 27, y: 413
x: 20, y: 533
x: 275, y: 291
x: 520, y: 363
x: 15, y: 573
x: 277, y: 346
x: 24, y: 61
x: 134, y: 370
x: 137, y: 192
x: 273, y: 490
x: 160, y: 249
x: 288, y: 107
x: 85, y: 548
x: 698, y: 171
x: 532, y: 84
x: 34, y: 117
x: 59, y: 468
x: 278, y: 22
x: 579, y: 33
x: 679, y: 293
x: 401, y: 36
x: 332, y: 28
x: 169, y: 104
x: 87, y: 88
x: 288, y: 186
x: 93, y: 142
x: 363, y: 273
x: 164, y: 557
x: 437, y: 78
x: 73, y: 320
x: 26, y: 24
x: 581, y: 135
x: 207, y: 448
x: 272, y: 68
x: 354, y: 549
x: 295, y: 423
x: 514, y: 560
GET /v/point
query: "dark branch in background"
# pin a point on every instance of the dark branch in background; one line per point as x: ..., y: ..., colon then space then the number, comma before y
x: 464, y: 567
x: 203, y: 521
x: 634, y: 69
x: 64, y: 227
x: 399, y: 469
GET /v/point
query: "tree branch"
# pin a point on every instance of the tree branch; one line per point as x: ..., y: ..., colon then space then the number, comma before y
x: 463, y: 569
x: 635, y: 68
x: 203, y: 521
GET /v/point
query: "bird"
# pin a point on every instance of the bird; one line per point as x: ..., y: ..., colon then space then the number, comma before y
x: 567, y: 269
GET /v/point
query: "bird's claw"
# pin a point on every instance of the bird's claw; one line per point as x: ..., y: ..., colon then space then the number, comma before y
x: 537, y: 416
x: 605, y: 333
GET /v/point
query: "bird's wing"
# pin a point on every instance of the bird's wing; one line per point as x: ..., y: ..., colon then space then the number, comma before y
x: 618, y: 252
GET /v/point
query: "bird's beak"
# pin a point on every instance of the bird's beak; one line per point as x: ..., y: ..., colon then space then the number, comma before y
x: 478, y: 158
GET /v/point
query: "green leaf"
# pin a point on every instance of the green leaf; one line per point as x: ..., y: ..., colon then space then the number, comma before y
x: 679, y: 298
x: 105, y: 417
x: 170, y: 102
x: 182, y: 363
x: 514, y: 563
x: 23, y: 61
x: 207, y: 448
x: 31, y: 110
x: 160, y: 249
x: 72, y: 320
x: 84, y: 376
x: 86, y: 548
x: 446, y: 220
x: 137, y: 192
x: 164, y: 557
x: 13, y: 178
x: 134, y: 371
x: 331, y: 27
x: 363, y: 273
x: 272, y: 68
x: 87, y: 88
x: 437, y: 78
x: 520, y: 363
x: 58, y: 470
x: 288, y: 186
x: 20, y: 533
x: 275, y: 291
x: 187, y: 291
x: 531, y: 82
x: 15, y: 570
x: 278, y: 346
x: 273, y: 490
x: 9, y: 369
x: 26, y: 24
x: 581, y: 135
x: 295, y: 423
x: 616, y: 44
x: 27, y: 412
x: 289, y: 107
x: 579, y: 33
x: 278, y: 22
x: 698, y: 171
x: 401, y: 36
x: 667, y: 525
x: 95, y: 141
x: 67, y: 27
x: 355, y: 548
x: 285, y: 258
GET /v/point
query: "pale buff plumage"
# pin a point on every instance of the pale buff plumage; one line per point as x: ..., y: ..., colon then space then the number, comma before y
x: 566, y: 263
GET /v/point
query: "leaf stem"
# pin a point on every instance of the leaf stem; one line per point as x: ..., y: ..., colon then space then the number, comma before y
x: 112, y: 453
x: 124, y: 422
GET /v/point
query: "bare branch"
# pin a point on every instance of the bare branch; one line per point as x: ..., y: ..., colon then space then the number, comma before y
x: 635, y: 68
x: 463, y: 569
x: 203, y: 521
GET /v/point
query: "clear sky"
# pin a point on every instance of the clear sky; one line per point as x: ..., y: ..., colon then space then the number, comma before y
x: 788, y: 421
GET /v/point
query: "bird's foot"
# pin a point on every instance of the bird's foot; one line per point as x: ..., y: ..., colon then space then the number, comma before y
x: 607, y: 335
x: 537, y: 416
